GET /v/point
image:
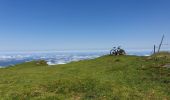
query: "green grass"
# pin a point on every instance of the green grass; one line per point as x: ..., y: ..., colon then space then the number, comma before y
x: 104, y: 78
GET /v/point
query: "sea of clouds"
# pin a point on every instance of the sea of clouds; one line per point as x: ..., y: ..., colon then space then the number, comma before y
x: 55, y: 57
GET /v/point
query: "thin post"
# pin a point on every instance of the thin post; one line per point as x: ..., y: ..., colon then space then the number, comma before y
x: 154, y: 49
x: 161, y: 43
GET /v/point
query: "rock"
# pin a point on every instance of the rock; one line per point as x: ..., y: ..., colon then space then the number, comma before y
x: 167, y: 66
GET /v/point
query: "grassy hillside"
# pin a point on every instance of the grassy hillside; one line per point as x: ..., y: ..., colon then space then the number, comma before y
x: 104, y: 78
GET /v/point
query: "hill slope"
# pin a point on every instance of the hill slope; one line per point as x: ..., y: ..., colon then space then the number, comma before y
x: 104, y: 78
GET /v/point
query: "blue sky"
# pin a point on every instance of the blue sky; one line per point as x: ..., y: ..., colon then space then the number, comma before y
x: 83, y: 24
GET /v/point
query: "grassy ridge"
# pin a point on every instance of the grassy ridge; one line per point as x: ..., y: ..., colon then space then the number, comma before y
x: 104, y: 78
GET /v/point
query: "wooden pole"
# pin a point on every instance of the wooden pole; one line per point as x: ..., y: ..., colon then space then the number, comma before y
x: 161, y: 43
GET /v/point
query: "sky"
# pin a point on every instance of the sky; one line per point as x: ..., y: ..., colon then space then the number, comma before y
x: 83, y: 24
